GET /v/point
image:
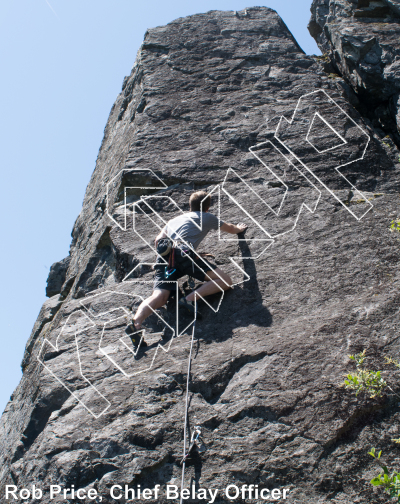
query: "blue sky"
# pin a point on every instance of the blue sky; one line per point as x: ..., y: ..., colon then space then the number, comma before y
x: 63, y: 64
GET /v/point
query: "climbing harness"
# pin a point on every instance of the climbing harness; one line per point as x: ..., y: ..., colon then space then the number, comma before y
x: 180, y: 256
x: 178, y: 253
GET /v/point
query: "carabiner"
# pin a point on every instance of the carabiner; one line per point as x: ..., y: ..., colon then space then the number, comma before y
x: 168, y: 273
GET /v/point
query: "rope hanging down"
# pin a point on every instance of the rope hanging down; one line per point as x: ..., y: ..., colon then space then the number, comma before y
x: 195, y: 438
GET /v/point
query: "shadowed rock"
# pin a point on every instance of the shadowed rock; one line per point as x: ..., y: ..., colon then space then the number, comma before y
x: 361, y: 39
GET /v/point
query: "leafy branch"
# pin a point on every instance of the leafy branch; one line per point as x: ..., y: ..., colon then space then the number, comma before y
x: 390, y: 482
x: 390, y: 360
x: 359, y: 358
x: 364, y: 379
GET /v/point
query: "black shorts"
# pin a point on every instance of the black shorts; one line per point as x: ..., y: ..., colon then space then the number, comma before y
x: 196, y: 268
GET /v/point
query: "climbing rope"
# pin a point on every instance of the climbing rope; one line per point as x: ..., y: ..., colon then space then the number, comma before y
x: 186, y: 454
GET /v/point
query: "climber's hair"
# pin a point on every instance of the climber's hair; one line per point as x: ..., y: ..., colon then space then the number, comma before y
x: 199, y: 201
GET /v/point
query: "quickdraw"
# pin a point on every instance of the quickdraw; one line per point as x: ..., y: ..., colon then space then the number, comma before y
x: 195, y: 441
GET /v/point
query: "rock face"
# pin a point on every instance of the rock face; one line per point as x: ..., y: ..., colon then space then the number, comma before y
x: 316, y: 276
x: 361, y: 38
x: 56, y: 278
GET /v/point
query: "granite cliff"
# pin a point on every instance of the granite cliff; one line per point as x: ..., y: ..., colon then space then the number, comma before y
x: 316, y: 275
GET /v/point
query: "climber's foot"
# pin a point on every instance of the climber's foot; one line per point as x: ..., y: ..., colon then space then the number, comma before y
x: 133, y: 327
x: 135, y: 338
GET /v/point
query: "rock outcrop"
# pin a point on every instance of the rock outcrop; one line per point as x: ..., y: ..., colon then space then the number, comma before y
x: 361, y: 39
x: 316, y: 275
x: 56, y: 278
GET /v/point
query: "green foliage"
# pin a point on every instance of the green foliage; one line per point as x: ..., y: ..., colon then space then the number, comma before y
x: 387, y: 141
x: 395, y: 225
x: 370, y: 381
x: 390, y: 482
x: 390, y: 360
x: 372, y: 453
x: 359, y: 358
x: 364, y: 380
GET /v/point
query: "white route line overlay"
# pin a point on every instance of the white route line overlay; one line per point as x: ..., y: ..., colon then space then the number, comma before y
x: 290, y: 121
x: 162, y: 186
x: 302, y: 206
x: 344, y: 141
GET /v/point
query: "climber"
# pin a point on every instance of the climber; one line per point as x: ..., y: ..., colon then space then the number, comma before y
x: 183, y: 228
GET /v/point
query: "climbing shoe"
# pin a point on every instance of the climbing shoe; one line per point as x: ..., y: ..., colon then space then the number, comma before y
x: 189, y: 305
x: 136, y: 341
x: 135, y: 338
x: 130, y: 329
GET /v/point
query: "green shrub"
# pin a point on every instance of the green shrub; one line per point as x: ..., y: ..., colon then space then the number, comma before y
x: 390, y: 360
x: 359, y: 358
x: 390, y: 482
x: 395, y: 225
x: 370, y: 381
x: 364, y: 380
